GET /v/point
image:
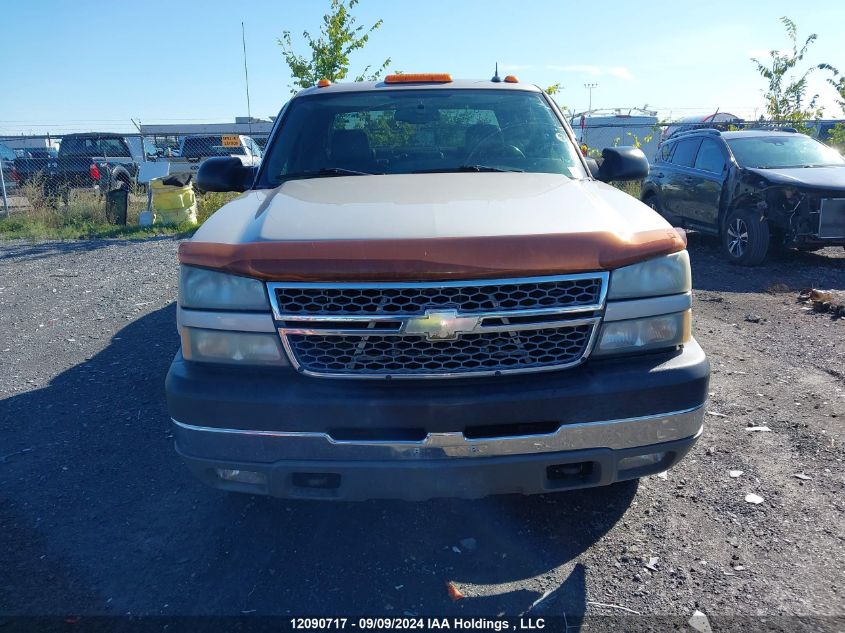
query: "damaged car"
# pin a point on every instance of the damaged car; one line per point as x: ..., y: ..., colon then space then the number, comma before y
x: 758, y: 190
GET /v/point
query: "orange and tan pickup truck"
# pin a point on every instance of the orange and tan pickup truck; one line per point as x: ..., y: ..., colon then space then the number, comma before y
x: 425, y: 290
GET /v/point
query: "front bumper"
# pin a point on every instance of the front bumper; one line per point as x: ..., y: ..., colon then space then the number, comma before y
x: 421, y: 439
x: 469, y: 478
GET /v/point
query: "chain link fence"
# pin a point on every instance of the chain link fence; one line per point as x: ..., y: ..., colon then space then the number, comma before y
x: 94, y: 177
x: 101, y: 178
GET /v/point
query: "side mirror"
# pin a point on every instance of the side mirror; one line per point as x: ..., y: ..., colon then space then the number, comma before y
x: 623, y: 163
x: 593, y: 166
x: 225, y: 173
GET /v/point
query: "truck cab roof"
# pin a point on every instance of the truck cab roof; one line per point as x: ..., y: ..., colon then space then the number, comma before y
x: 456, y: 84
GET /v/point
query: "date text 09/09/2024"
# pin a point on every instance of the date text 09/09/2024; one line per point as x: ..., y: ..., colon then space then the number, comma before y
x: 419, y: 623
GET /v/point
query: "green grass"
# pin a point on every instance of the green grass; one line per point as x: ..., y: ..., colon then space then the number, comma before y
x: 19, y: 226
x: 631, y: 187
x: 84, y: 217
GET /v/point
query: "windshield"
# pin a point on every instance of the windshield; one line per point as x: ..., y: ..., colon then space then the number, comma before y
x: 781, y: 152
x: 204, y: 146
x: 418, y: 131
x: 94, y: 146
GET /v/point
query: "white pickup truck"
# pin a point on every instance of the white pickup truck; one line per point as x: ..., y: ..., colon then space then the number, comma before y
x: 426, y: 290
x: 196, y: 148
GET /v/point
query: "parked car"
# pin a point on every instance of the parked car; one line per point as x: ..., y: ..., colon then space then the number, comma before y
x: 194, y: 149
x: 7, y: 163
x: 87, y: 160
x: 717, y: 120
x: 754, y: 188
x: 822, y: 130
x: 37, y: 152
x: 428, y: 294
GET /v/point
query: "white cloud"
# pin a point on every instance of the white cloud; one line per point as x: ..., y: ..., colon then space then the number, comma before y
x: 595, y: 71
x: 621, y: 72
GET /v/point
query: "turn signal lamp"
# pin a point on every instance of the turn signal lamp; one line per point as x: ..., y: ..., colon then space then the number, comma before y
x: 418, y: 78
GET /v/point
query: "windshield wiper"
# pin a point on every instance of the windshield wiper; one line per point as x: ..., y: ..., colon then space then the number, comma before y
x: 466, y: 168
x: 325, y: 172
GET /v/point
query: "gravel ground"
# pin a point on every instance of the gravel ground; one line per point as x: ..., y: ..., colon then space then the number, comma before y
x: 98, y: 515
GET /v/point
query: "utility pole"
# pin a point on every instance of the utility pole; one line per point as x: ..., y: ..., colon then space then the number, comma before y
x: 589, y: 88
x: 3, y: 187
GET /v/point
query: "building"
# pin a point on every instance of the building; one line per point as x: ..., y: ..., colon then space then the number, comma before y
x: 169, y: 134
x: 30, y: 142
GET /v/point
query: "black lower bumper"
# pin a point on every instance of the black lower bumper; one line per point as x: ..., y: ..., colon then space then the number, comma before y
x: 467, y: 478
x: 278, y: 433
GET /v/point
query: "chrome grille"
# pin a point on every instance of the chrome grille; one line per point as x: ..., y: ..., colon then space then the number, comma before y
x: 446, y: 329
x: 416, y: 299
x: 402, y: 355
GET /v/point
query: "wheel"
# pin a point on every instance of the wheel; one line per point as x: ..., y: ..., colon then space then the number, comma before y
x: 745, y: 237
x: 120, y: 182
x: 653, y: 202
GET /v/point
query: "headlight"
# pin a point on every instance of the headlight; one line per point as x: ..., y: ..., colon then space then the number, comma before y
x: 653, y: 278
x: 221, y: 346
x: 640, y: 335
x: 212, y: 290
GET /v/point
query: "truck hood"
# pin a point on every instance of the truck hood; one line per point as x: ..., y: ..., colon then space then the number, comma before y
x: 427, y: 206
x: 429, y: 226
x: 809, y: 177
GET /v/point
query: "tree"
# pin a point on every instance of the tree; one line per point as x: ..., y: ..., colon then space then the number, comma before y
x: 557, y: 89
x: 329, y: 58
x: 836, y: 136
x: 838, y: 83
x: 786, y: 99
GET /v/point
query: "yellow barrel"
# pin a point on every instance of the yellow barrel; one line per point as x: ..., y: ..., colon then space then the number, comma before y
x: 173, y: 205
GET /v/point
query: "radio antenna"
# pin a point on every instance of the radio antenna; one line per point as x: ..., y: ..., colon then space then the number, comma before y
x: 246, y: 79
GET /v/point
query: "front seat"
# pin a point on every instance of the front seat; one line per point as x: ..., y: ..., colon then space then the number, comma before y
x: 350, y: 149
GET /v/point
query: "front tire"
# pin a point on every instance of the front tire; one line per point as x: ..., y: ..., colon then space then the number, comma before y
x: 653, y: 203
x: 745, y: 237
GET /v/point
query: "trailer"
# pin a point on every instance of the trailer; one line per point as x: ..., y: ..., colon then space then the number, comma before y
x: 598, y: 129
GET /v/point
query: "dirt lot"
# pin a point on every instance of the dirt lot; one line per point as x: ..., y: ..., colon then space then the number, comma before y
x: 98, y: 516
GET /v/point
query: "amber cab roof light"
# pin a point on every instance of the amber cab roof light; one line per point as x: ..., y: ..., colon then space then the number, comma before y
x: 511, y: 79
x: 323, y: 83
x: 418, y: 78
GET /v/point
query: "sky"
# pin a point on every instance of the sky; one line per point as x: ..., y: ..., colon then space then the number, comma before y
x: 96, y: 65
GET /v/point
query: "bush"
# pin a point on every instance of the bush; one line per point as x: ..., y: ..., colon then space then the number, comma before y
x: 631, y: 187
x: 208, y: 203
x: 83, y: 215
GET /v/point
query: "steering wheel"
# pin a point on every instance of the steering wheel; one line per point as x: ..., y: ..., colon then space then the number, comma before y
x: 504, y: 151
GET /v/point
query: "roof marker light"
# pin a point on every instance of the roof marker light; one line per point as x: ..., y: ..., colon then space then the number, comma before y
x: 418, y: 78
x: 323, y: 83
x: 511, y: 79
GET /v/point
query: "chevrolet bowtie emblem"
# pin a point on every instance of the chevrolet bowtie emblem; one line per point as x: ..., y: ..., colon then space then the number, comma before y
x: 442, y: 325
